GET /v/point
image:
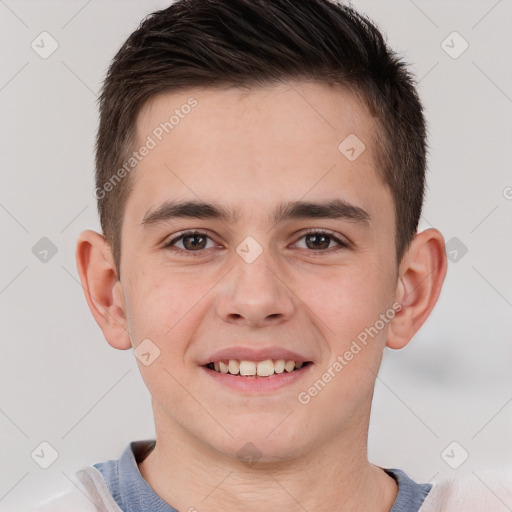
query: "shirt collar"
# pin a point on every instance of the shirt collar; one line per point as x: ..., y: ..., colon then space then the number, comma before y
x: 133, y: 494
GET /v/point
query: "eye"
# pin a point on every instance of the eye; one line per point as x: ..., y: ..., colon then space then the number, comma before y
x: 320, y: 241
x: 192, y: 241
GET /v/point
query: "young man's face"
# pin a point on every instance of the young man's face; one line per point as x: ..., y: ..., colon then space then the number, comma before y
x: 212, y: 296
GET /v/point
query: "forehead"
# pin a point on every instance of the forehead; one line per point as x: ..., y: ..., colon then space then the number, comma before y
x: 253, y: 147
x: 281, y: 115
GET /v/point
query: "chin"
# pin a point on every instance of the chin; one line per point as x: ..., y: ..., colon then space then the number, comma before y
x: 255, y: 442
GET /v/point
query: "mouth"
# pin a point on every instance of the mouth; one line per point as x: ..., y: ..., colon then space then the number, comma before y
x: 256, y: 369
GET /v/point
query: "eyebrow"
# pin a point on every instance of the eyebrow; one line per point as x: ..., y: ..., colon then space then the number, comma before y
x: 335, y: 209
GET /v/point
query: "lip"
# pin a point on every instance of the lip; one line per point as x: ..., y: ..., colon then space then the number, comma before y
x: 252, y: 354
x: 258, y: 385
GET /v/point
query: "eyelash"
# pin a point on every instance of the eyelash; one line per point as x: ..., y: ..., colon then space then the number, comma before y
x: 341, y: 244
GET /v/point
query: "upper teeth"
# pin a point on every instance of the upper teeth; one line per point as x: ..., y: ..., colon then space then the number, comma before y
x: 260, y: 368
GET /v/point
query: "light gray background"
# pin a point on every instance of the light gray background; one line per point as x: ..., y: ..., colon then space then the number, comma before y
x: 63, y: 384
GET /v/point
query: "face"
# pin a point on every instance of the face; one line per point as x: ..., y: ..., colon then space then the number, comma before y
x: 289, y: 255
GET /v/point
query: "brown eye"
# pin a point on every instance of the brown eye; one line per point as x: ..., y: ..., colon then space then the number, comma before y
x: 192, y: 242
x: 317, y: 241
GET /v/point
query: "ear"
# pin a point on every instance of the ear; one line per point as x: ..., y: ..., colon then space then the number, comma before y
x: 102, y: 288
x: 421, y: 276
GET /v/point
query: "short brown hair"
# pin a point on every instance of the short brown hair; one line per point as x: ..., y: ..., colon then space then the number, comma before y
x: 246, y: 43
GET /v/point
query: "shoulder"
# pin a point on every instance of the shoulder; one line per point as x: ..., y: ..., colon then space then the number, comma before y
x: 70, y: 500
x: 489, y: 491
x: 90, y: 495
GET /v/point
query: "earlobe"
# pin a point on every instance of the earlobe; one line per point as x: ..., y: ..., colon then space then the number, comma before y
x: 420, y: 281
x: 102, y: 288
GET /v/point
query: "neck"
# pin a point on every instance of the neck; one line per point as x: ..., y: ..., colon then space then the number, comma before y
x: 332, y: 476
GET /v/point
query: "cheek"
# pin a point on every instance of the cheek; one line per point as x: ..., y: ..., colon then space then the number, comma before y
x: 159, y: 300
x: 347, y: 300
x: 164, y: 306
x: 349, y: 303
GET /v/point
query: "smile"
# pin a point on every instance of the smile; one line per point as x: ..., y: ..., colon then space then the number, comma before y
x: 264, y: 368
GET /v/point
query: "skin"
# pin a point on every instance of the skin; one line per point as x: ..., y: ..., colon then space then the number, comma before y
x: 250, y: 151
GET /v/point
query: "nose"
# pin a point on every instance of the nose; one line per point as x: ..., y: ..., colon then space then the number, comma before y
x: 255, y: 294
